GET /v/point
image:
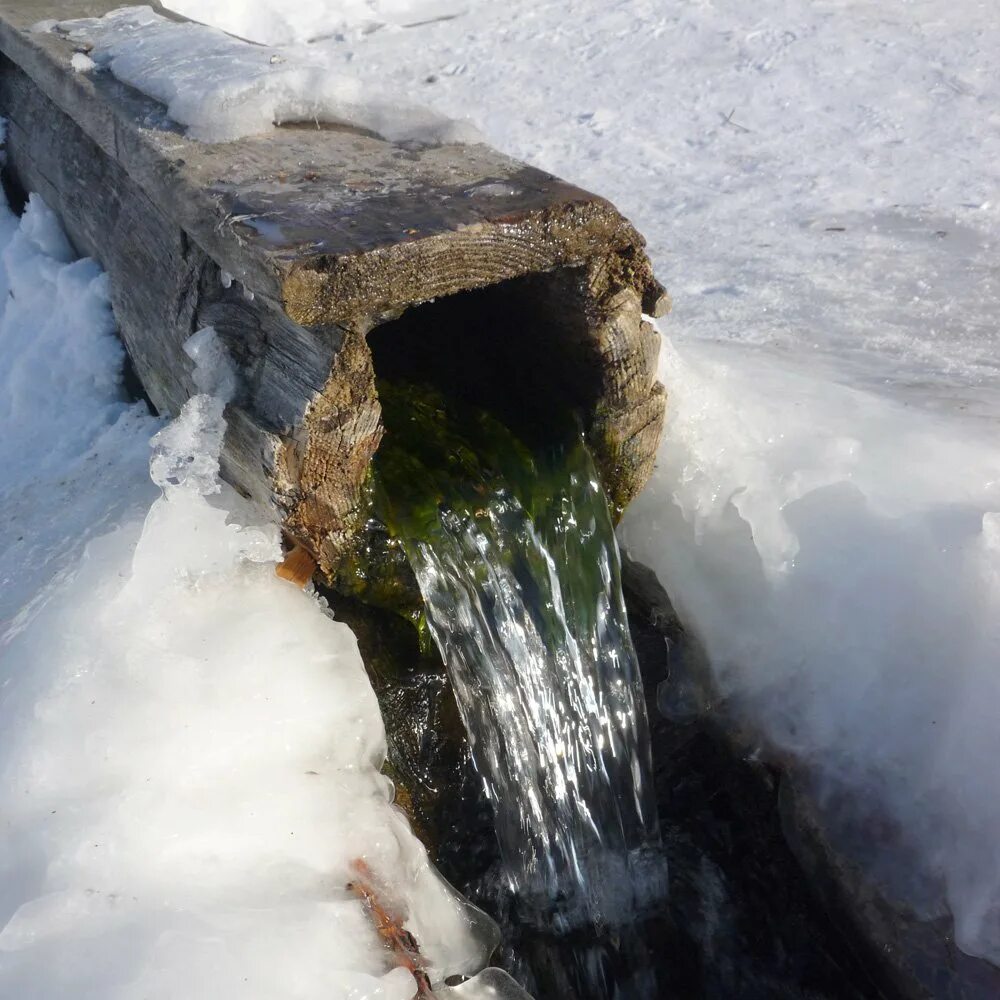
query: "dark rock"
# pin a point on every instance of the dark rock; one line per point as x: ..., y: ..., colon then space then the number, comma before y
x: 745, y: 921
x: 798, y: 900
x: 914, y: 950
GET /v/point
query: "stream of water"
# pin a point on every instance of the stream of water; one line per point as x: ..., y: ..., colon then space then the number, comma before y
x: 516, y: 559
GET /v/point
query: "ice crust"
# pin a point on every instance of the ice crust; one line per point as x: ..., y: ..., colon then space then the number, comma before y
x: 223, y: 88
x: 277, y: 22
x: 839, y: 556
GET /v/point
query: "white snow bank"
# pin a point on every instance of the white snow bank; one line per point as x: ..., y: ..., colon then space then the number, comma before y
x: 839, y: 553
x: 73, y: 453
x: 223, y: 88
x: 191, y: 749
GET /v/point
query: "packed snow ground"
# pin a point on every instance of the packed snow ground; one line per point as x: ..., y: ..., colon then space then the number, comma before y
x: 191, y: 748
x: 819, y: 185
x: 818, y: 182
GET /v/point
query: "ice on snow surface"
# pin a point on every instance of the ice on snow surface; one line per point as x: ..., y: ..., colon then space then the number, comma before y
x: 223, y: 88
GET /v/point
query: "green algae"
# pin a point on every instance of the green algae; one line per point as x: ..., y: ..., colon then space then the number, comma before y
x: 440, y: 456
x: 438, y: 453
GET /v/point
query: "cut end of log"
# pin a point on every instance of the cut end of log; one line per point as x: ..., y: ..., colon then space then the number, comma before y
x: 530, y: 348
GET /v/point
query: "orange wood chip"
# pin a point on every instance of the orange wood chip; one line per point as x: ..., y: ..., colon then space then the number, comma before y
x: 298, y: 567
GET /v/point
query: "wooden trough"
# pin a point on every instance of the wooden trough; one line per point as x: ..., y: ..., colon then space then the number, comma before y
x: 322, y: 255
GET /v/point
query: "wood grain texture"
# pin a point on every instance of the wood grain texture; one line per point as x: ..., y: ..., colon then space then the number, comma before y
x: 358, y: 231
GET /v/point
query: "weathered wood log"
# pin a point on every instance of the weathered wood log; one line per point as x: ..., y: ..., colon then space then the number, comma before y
x: 320, y: 254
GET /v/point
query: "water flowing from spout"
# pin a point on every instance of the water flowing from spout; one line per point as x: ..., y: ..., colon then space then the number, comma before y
x: 515, y: 555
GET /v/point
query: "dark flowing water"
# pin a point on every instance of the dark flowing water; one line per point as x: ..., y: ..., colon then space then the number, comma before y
x: 515, y: 555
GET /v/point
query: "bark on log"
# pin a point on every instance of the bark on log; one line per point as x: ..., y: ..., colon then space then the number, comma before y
x: 329, y: 236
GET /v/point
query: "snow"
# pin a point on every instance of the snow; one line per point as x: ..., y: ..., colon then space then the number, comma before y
x: 191, y: 748
x: 275, y: 22
x: 818, y: 183
x: 223, y: 88
x: 73, y: 452
x: 82, y: 63
x: 838, y: 553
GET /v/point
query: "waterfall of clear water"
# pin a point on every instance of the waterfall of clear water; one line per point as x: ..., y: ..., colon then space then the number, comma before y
x: 517, y: 563
x: 529, y: 617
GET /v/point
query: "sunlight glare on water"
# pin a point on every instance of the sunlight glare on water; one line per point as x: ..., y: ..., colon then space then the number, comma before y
x: 520, y: 575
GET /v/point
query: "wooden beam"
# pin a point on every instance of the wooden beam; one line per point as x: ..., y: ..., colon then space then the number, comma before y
x: 295, y: 245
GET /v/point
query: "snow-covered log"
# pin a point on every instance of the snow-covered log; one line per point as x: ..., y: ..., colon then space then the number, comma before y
x: 317, y: 250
